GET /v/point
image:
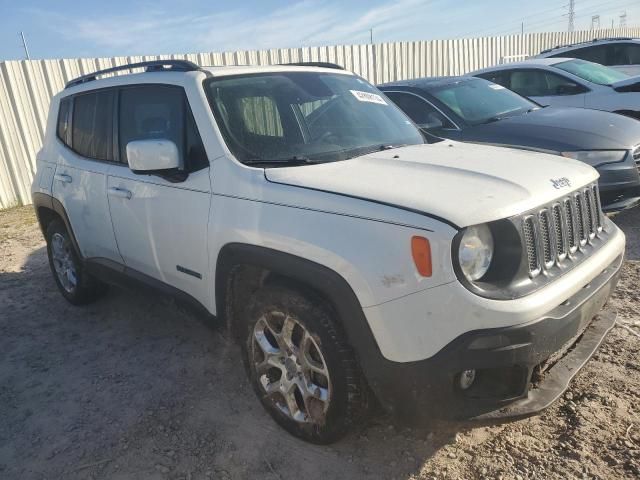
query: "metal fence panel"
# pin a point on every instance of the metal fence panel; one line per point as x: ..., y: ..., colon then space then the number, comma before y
x: 26, y: 87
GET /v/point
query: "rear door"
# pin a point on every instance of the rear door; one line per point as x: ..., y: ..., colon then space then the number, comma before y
x: 161, y: 221
x: 85, y: 131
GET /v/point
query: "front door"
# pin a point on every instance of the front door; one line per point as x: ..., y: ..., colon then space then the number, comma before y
x: 161, y: 222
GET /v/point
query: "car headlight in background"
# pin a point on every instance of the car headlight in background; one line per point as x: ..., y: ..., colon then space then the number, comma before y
x: 475, y: 251
x: 597, y: 157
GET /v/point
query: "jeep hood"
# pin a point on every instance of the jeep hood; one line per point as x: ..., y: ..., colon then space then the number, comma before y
x: 462, y: 183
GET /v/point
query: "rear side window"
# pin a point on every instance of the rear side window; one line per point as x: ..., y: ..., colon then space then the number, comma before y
x: 160, y: 112
x: 93, y: 125
x: 62, y: 128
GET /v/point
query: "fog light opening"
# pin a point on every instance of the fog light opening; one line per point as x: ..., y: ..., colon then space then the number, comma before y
x: 467, y: 377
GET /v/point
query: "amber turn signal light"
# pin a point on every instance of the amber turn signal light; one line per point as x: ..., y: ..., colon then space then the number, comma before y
x: 421, y: 251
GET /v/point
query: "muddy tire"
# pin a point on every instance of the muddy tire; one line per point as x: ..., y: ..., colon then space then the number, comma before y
x: 74, y: 283
x: 300, y: 365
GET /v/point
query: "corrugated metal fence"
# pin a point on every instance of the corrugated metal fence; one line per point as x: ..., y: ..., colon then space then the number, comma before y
x: 26, y: 87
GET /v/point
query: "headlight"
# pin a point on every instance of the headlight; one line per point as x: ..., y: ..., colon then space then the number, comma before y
x: 597, y: 157
x: 475, y: 251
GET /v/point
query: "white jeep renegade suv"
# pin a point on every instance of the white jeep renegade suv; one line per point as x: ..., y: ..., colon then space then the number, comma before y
x: 351, y: 260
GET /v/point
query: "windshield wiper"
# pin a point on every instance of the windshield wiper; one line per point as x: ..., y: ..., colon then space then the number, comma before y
x: 491, y: 120
x: 379, y: 147
x: 295, y: 160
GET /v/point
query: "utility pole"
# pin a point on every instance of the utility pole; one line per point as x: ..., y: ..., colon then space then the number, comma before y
x: 572, y: 15
x: 595, y: 22
x: 371, y: 35
x: 24, y: 45
x: 623, y: 19
x: 522, y: 28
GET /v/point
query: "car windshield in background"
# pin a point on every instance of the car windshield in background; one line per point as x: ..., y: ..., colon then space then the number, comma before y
x: 479, y: 101
x: 304, y: 117
x: 592, y: 72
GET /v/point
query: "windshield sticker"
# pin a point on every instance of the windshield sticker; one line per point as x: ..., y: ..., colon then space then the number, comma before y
x: 495, y: 86
x: 368, y: 97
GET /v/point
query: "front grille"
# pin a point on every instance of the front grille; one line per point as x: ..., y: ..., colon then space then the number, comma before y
x: 528, y: 227
x: 557, y: 232
x: 636, y: 157
x: 545, y: 237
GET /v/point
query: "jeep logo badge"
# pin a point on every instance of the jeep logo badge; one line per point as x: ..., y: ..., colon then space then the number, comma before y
x: 560, y: 182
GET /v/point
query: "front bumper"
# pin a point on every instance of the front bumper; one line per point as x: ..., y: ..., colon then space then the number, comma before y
x: 520, y: 370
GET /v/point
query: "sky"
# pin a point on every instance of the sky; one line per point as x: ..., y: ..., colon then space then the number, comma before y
x: 69, y: 29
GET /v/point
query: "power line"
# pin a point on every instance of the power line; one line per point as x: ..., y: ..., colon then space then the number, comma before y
x: 623, y: 19
x: 519, y: 20
x: 24, y: 45
x: 572, y: 15
x: 579, y: 14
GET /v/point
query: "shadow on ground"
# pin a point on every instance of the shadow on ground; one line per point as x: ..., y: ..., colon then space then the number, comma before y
x: 136, y: 386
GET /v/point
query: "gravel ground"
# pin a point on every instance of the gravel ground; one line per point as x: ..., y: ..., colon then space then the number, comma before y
x: 135, y: 386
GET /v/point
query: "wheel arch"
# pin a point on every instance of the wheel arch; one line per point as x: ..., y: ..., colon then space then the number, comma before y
x: 248, y: 267
x: 49, y: 209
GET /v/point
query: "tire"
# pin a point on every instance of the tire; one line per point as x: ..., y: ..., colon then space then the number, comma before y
x: 293, y: 344
x: 74, y: 283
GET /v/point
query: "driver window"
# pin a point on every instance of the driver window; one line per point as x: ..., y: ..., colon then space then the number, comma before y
x: 160, y: 112
x: 421, y: 112
x: 538, y: 83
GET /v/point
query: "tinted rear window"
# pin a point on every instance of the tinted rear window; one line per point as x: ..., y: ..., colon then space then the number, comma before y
x: 93, y: 125
x: 63, y: 120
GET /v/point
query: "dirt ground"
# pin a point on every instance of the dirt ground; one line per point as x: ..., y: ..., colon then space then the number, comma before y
x: 135, y: 386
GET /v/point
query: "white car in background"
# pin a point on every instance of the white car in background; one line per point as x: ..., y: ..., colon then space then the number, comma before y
x: 569, y: 82
x: 622, y: 53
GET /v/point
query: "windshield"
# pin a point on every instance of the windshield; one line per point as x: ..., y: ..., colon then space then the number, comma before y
x: 479, y: 101
x: 592, y: 72
x: 305, y: 117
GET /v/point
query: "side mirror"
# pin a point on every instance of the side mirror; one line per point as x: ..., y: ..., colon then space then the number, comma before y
x: 153, y: 156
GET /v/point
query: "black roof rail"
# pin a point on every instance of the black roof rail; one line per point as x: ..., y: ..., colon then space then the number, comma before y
x: 150, y: 66
x: 335, y: 66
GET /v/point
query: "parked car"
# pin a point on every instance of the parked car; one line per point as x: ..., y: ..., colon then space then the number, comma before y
x: 472, y: 109
x: 569, y: 82
x: 350, y: 259
x: 621, y: 53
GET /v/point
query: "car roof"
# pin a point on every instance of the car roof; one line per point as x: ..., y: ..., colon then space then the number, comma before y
x: 218, y: 71
x: 596, y: 41
x: 530, y: 62
x: 180, y: 76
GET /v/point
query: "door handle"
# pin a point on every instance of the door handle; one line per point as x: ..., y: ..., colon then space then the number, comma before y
x: 62, y: 177
x: 119, y: 192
